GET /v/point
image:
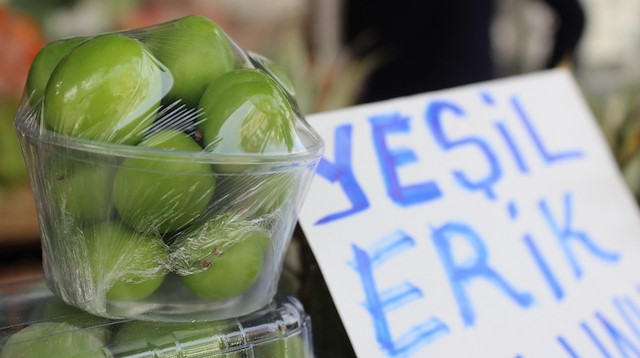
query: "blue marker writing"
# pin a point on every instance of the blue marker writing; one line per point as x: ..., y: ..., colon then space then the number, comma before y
x: 567, y: 347
x: 565, y: 234
x: 546, y: 154
x: 595, y: 340
x: 380, y: 303
x: 488, y: 99
x: 636, y: 313
x: 626, y: 316
x: 462, y: 273
x: 513, y: 148
x: 544, y: 267
x: 389, y: 160
x: 622, y: 342
x: 342, y: 173
x: 433, y: 116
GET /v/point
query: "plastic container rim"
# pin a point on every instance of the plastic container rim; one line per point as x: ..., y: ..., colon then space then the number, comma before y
x: 41, y: 135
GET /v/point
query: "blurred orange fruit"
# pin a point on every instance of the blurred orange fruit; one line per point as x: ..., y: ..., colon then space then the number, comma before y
x: 22, y: 38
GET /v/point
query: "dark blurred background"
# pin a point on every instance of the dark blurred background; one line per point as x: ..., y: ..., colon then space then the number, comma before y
x: 340, y: 53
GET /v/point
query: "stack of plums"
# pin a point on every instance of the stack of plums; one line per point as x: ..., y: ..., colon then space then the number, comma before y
x: 168, y: 166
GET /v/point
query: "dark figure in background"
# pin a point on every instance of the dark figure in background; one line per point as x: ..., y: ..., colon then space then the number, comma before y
x: 430, y: 45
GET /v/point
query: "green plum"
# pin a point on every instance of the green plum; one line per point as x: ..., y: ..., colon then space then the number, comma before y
x: 245, y: 111
x: 273, y: 191
x: 290, y: 347
x: 196, y: 51
x: 191, y: 249
x: 223, y: 258
x: 107, y: 88
x: 232, y: 271
x: 275, y: 71
x: 163, y: 194
x: 55, y: 310
x: 83, y: 191
x: 44, y: 63
x: 255, y: 194
x: 51, y: 340
x: 128, y: 265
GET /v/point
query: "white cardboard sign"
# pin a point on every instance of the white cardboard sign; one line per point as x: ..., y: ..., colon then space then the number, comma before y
x: 483, y: 221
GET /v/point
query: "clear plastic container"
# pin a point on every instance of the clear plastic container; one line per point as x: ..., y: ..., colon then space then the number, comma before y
x: 35, y: 323
x: 164, y: 192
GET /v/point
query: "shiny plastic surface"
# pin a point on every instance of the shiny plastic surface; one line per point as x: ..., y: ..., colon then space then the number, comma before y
x: 34, y: 323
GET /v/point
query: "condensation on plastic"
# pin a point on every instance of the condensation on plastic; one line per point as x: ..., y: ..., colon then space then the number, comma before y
x: 148, y: 222
x: 35, y: 323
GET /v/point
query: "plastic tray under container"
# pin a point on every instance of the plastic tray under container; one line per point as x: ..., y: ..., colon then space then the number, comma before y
x: 35, y: 323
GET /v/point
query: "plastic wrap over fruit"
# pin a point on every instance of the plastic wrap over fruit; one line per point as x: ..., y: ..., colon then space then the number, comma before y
x: 168, y: 167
